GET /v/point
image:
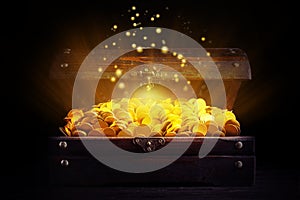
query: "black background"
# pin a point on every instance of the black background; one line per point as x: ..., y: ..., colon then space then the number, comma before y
x: 34, y: 31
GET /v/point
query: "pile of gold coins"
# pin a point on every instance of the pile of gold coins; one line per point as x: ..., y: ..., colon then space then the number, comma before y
x: 137, y: 117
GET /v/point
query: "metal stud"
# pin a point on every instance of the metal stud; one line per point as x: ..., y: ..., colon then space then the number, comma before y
x: 64, y: 163
x: 63, y: 144
x: 161, y: 141
x: 149, y: 149
x: 238, y: 145
x: 137, y: 140
x: 149, y: 143
x: 238, y: 164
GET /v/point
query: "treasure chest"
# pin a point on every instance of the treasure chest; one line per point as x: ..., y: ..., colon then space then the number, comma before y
x: 168, y: 130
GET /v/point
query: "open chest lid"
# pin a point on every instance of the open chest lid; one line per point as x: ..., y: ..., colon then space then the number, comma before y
x: 231, y: 65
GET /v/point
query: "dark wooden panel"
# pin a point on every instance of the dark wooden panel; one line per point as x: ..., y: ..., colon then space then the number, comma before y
x: 224, y: 145
x: 187, y: 170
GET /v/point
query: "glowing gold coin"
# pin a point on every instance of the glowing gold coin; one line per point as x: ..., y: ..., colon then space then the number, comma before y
x: 146, y: 120
x: 229, y: 115
x: 200, y: 129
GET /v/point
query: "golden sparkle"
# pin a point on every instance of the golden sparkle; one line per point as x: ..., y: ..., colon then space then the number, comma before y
x: 164, y: 49
x: 113, y: 79
x: 139, y: 49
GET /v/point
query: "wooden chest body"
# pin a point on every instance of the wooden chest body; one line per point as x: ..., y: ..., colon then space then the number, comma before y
x: 230, y: 162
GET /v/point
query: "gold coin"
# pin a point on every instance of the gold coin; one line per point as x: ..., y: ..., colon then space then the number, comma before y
x: 123, y: 115
x: 183, y: 129
x: 140, y: 135
x: 115, y: 105
x: 98, y: 132
x: 136, y: 102
x: 173, y: 127
x: 105, y: 110
x: 100, y: 124
x: 146, y: 120
x: 163, y: 117
x: 142, y: 109
x: 206, y: 117
x: 131, y: 126
x: 192, y: 101
x: 115, y: 111
x: 223, y: 130
x: 116, y: 128
x: 156, y: 128
x: 189, y: 119
x: 170, y: 134
x: 73, y: 112
x: 74, y: 116
x: 232, y: 130
x: 132, y: 114
x: 90, y: 120
x: 183, y: 134
x: 155, y: 134
x: 141, y: 116
x: 177, y: 110
x: 201, y: 103
x: 95, y: 109
x: 220, y: 119
x: 78, y: 133
x: 168, y: 107
x: 172, y: 117
x: 199, y: 134
x: 232, y: 121
x: 190, y: 125
x: 90, y: 114
x: 142, y: 129
x: 155, y: 122
x: 121, y: 124
x: 109, y: 132
x: 212, y: 126
x: 125, y: 133
x: 109, y: 120
x: 86, y: 127
x: 67, y: 131
x: 155, y: 111
x: 165, y: 125
x: 217, y: 133
x: 200, y: 129
x: 229, y: 115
